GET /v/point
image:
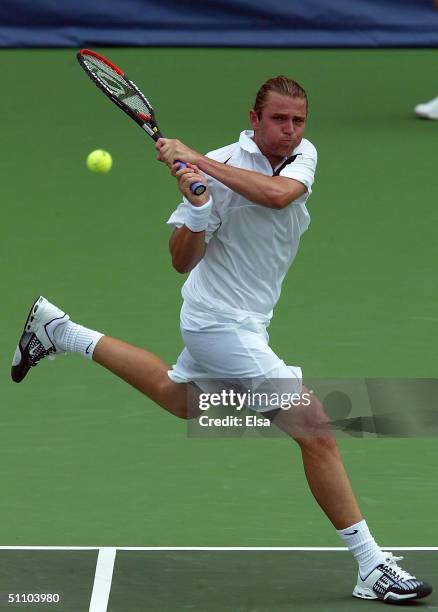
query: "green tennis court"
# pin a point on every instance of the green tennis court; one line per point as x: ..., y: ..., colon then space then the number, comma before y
x: 87, y: 461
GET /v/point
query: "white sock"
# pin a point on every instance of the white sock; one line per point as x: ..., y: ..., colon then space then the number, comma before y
x: 73, y: 338
x: 361, y: 543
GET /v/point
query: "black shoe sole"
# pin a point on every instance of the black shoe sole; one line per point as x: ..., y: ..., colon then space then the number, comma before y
x: 19, y: 371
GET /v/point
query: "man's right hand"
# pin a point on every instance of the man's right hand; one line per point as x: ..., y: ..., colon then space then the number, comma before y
x: 186, y: 177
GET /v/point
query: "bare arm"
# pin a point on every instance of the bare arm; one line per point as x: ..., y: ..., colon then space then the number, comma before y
x: 269, y: 191
x: 188, y: 247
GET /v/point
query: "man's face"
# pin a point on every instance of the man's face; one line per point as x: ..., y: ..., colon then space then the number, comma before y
x: 281, y: 126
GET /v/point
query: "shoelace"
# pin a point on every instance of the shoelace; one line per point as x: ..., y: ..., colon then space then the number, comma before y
x: 394, y: 570
x: 38, y: 351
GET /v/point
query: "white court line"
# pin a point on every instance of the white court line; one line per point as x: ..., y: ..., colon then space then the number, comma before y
x: 231, y: 548
x: 271, y: 548
x: 102, y: 580
x: 107, y: 556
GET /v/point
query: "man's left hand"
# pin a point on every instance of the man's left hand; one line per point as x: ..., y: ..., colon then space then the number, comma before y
x: 170, y: 150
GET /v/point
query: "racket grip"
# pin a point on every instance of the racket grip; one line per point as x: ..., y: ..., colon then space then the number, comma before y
x: 196, y: 188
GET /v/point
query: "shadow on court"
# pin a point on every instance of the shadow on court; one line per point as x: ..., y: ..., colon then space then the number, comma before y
x: 247, y: 581
x: 200, y: 581
x: 24, y: 574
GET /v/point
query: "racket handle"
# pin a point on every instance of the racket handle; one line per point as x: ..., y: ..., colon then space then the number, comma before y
x: 196, y: 188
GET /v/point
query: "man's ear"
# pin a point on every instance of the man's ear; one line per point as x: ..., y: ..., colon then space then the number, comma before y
x: 254, y: 119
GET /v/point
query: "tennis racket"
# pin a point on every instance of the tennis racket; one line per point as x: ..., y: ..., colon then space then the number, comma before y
x: 123, y: 92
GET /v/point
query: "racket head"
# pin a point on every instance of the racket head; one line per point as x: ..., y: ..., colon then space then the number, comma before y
x: 112, y: 81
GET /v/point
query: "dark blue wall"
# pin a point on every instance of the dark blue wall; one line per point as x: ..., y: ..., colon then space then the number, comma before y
x: 229, y: 23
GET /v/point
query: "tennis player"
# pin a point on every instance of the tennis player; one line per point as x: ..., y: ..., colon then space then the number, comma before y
x: 238, y: 240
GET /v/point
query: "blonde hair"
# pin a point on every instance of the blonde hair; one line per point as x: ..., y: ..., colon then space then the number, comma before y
x: 281, y: 85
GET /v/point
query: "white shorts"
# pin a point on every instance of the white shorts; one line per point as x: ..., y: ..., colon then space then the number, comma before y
x: 234, y: 356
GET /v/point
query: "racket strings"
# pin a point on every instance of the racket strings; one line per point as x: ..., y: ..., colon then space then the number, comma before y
x: 117, y: 85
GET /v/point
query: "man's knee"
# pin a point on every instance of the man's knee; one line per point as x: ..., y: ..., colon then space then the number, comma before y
x: 172, y: 397
x: 318, y: 445
x: 178, y: 408
x: 178, y: 399
x: 305, y: 421
x: 185, y: 411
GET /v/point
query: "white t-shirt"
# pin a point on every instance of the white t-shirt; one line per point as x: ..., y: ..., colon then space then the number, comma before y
x: 250, y: 247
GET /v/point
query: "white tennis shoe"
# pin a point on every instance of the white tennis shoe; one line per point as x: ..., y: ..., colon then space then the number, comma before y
x: 37, y: 339
x: 428, y: 110
x: 390, y: 583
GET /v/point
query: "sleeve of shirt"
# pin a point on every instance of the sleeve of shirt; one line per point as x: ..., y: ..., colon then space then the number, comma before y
x: 302, y: 169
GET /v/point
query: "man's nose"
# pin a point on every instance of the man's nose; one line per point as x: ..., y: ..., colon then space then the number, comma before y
x: 288, y: 127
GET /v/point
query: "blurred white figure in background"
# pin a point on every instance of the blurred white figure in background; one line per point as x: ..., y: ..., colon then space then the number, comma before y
x: 427, y: 110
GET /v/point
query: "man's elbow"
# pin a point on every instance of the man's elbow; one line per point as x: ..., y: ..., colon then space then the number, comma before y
x: 180, y: 267
x: 184, y: 267
x: 281, y: 200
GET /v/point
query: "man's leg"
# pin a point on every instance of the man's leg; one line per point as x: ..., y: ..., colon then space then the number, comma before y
x: 379, y: 575
x: 328, y: 481
x: 323, y: 465
x: 144, y: 371
x: 48, y: 331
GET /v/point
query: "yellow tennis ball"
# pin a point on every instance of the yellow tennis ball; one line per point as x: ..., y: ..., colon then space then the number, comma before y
x: 99, y: 161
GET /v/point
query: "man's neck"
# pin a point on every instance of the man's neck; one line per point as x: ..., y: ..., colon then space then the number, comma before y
x: 274, y: 160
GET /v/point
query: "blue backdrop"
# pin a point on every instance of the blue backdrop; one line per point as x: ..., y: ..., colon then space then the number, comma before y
x: 229, y: 23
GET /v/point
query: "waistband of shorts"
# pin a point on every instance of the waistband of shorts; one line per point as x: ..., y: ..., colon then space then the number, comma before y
x: 233, y: 314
